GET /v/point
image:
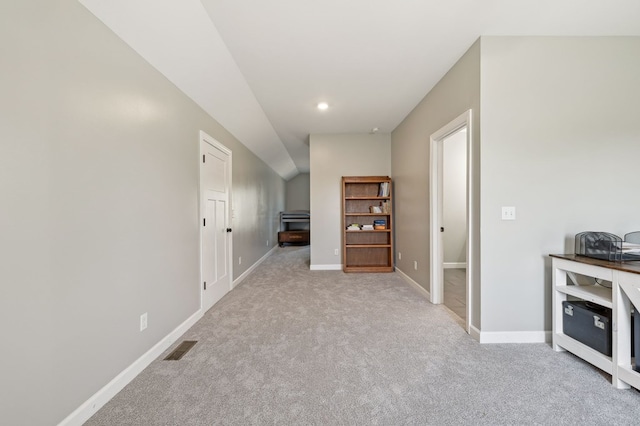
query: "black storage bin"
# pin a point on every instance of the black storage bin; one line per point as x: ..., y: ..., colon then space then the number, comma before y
x: 588, y: 323
x: 635, y: 338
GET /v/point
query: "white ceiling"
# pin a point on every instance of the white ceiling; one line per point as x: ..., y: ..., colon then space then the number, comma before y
x: 260, y: 67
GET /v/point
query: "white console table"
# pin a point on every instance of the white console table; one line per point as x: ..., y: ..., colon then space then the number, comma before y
x: 624, y: 291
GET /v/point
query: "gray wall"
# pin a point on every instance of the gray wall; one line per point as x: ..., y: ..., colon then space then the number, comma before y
x: 99, y: 183
x: 258, y: 199
x: 298, y: 192
x: 556, y: 138
x: 560, y: 142
x: 458, y: 91
x: 331, y: 157
x: 454, y: 199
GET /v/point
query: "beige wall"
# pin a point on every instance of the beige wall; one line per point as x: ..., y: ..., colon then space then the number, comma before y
x: 331, y: 157
x: 560, y: 142
x: 99, y: 165
x: 298, y: 193
x: 457, y: 92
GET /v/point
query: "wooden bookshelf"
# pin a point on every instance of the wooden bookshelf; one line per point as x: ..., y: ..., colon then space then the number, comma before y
x: 367, y: 250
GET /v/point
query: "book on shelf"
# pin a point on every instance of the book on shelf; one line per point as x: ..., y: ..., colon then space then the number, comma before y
x: 383, y: 191
x: 379, y: 224
x: 384, y: 208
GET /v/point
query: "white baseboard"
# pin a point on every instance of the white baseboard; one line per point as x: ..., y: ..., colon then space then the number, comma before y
x: 418, y: 287
x: 252, y: 267
x: 491, y: 337
x: 515, y: 336
x: 454, y: 265
x: 108, y: 391
x: 326, y: 267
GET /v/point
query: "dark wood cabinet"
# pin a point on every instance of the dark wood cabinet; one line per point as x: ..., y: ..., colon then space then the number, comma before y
x: 294, y: 227
x: 367, y: 224
x: 293, y: 237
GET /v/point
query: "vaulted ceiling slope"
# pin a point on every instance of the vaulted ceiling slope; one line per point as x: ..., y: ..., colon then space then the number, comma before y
x: 260, y: 67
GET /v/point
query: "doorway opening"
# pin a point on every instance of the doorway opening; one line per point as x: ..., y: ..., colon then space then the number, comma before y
x: 451, y: 241
x: 454, y: 222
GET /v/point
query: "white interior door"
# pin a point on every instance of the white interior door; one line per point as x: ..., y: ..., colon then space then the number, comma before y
x: 215, y: 237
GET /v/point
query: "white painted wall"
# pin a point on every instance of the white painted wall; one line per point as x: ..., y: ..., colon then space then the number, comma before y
x: 454, y: 198
x: 99, y: 167
x: 560, y: 142
x: 334, y: 156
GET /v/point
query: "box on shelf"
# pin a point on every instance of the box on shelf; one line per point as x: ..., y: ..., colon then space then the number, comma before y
x: 588, y: 323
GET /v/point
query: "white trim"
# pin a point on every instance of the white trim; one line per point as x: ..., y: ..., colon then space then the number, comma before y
x: 418, y: 287
x: 454, y: 265
x: 474, y: 332
x: 108, y: 391
x: 435, y: 217
x: 515, y: 336
x: 246, y: 273
x: 326, y: 267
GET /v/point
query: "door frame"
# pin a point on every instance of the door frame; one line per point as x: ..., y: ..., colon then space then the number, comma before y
x: 435, y: 205
x: 204, y: 137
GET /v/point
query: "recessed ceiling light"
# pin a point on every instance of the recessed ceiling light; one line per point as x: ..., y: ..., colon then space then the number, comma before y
x: 323, y: 105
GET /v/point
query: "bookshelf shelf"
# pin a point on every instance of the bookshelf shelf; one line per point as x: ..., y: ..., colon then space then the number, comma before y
x: 366, y: 199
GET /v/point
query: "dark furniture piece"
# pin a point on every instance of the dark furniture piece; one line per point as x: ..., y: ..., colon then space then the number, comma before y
x: 294, y: 227
x: 367, y: 224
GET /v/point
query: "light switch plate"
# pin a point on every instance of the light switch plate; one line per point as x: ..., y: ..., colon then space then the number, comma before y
x: 509, y: 213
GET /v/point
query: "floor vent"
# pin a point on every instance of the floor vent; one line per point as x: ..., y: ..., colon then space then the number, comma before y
x: 181, y: 350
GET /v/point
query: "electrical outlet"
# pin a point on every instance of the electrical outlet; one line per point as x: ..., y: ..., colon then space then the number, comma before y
x: 399, y: 256
x: 267, y: 243
x: 143, y: 321
x: 415, y: 265
x: 240, y: 260
x: 335, y: 252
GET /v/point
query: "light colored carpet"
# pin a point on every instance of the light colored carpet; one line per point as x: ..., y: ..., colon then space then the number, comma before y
x: 293, y: 346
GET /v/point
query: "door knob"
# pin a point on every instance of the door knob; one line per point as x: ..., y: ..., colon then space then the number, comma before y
x: 228, y: 229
